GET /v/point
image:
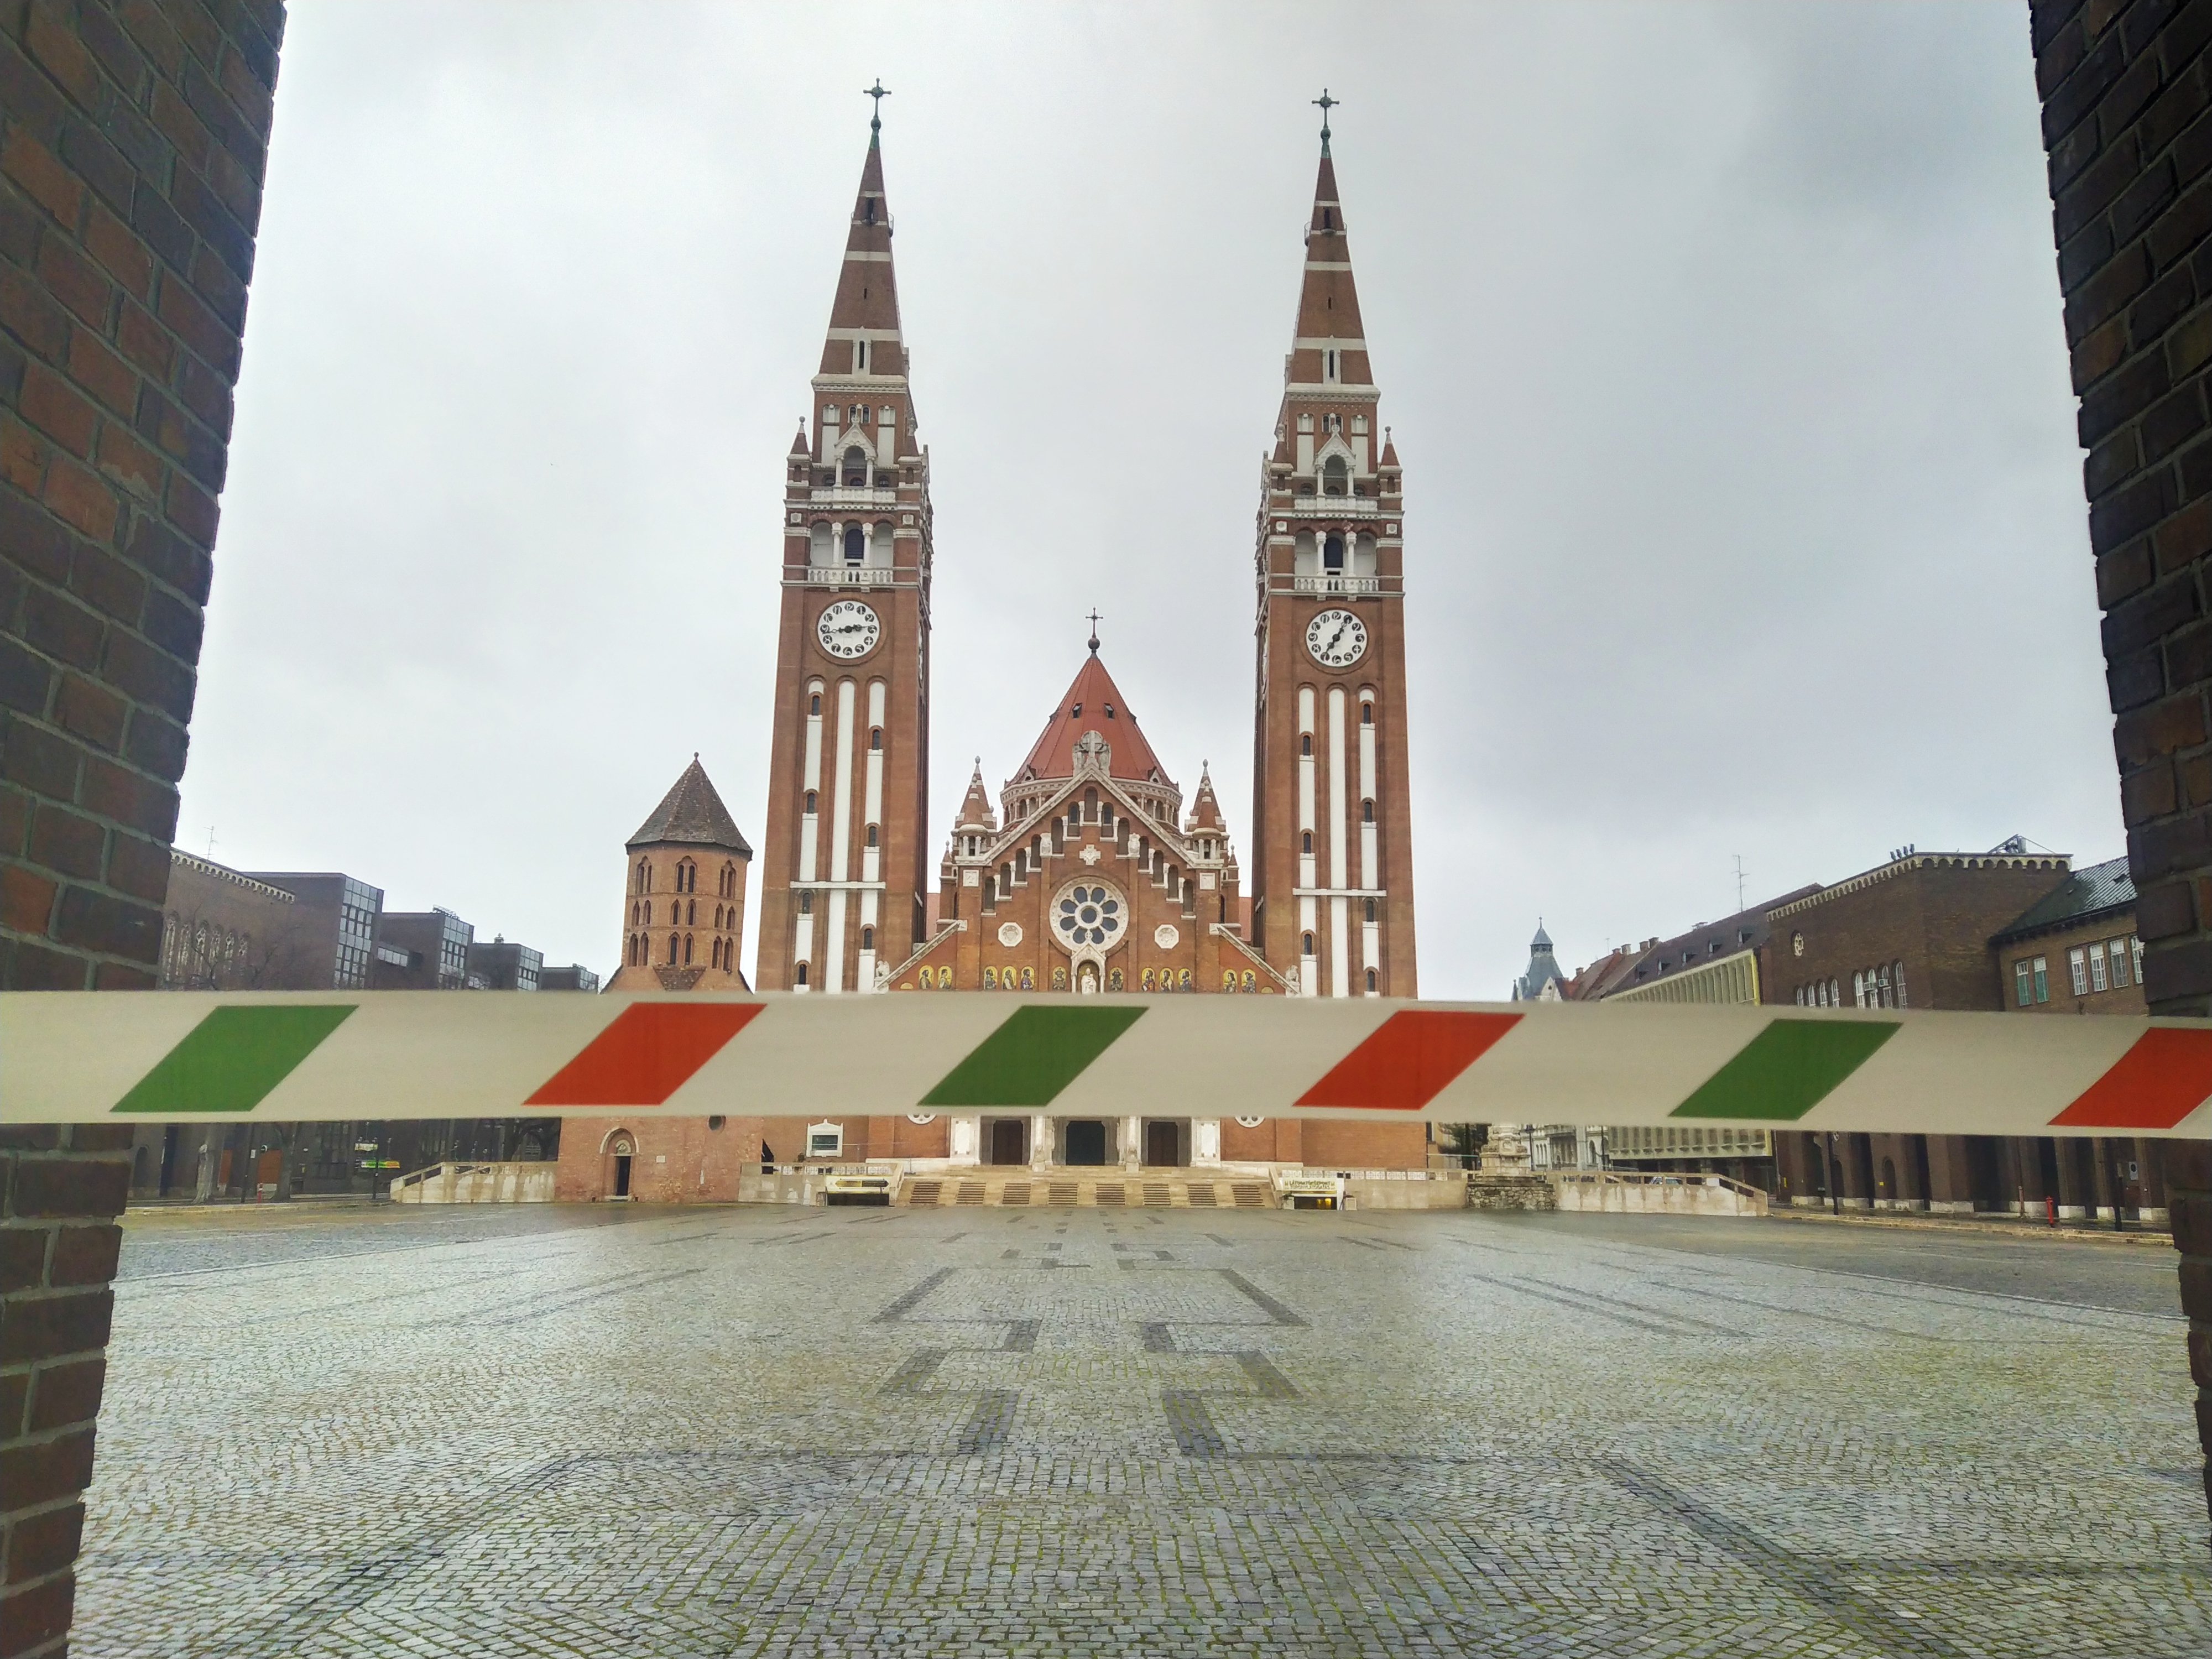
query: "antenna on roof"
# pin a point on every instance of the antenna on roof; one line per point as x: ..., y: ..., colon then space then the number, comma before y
x: 1739, y: 881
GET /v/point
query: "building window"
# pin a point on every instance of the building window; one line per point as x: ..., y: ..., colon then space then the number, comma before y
x: 799, y: 980
x: 2077, y: 969
x: 815, y: 703
x: 807, y: 903
x: 1371, y: 911
x: 687, y: 950
x: 1331, y: 551
x: 1374, y: 983
x: 875, y: 736
x: 2023, y: 989
x: 856, y: 544
x: 1307, y: 839
x: 1305, y: 742
x: 1367, y: 713
x: 2043, y: 979
x: 1309, y: 944
x: 2096, y: 967
x: 871, y: 835
x: 1367, y: 811
x: 867, y: 938
x: 809, y: 803
x: 1897, y: 972
x: 674, y: 942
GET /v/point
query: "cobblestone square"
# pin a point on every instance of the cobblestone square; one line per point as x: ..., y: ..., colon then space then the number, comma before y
x: 586, y: 1430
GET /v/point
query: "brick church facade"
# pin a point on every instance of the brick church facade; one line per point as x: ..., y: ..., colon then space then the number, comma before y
x: 1089, y: 876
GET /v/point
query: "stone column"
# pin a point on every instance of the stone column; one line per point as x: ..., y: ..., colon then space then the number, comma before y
x: 1041, y: 1146
x: 64, y: 1187
x: 2151, y: 1155
x: 1132, y: 1148
x: 1206, y: 1142
x: 2074, y: 1198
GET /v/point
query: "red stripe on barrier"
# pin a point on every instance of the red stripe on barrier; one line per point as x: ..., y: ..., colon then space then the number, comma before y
x: 1407, y: 1061
x: 649, y: 1051
x: 2164, y: 1076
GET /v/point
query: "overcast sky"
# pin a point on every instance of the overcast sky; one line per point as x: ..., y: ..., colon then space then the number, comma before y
x: 1721, y: 344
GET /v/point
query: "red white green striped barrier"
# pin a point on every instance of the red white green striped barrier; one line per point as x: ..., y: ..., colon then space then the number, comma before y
x: 77, y: 1058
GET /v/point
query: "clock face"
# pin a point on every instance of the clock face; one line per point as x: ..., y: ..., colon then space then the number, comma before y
x: 848, y: 629
x: 1336, y: 639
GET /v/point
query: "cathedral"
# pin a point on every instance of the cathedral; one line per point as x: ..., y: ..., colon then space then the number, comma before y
x: 1090, y: 875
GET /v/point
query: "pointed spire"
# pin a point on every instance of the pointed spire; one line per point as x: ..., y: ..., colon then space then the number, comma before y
x: 864, y: 320
x: 798, y: 443
x: 1205, y: 807
x: 1331, y: 347
x: 976, y: 811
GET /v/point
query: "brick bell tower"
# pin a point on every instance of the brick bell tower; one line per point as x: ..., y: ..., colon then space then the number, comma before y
x: 1332, y: 851
x: 845, y: 869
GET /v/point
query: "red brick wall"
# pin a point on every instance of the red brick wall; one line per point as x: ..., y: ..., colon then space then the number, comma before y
x: 63, y: 1190
x: 132, y: 139
x: 2127, y: 121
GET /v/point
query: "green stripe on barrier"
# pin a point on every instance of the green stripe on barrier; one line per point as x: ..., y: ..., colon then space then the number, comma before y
x: 1028, y: 1060
x: 231, y: 1059
x: 1787, y: 1069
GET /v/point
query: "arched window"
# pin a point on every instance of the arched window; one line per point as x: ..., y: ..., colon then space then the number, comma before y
x: 815, y: 703
x: 1367, y: 811
x: 1308, y: 944
x: 856, y: 473
x: 807, y: 902
x: 875, y: 737
x: 867, y: 938
x: 799, y: 979
x: 871, y: 835
x: 638, y: 877
x: 1307, y: 841
x: 687, y: 949
x: 1305, y: 742
x: 1332, y: 480
x: 856, y: 544
x: 1371, y: 910
x: 1367, y: 713
x: 691, y: 914
x: 1373, y: 982
x: 674, y: 943
x: 1332, y: 550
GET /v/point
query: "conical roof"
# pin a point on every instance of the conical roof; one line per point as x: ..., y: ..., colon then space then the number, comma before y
x: 1092, y: 704
x: 975, y: 806
x: 1206, y: 809
x: 693, y: 814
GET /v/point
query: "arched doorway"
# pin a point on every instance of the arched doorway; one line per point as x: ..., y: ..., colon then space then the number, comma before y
x: 621, y: 1154
x: 1084, y: 1141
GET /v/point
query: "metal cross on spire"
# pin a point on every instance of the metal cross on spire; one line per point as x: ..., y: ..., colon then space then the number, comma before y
x: 1094, y: 630
x: 879, y: 92
x: 1327, y: 104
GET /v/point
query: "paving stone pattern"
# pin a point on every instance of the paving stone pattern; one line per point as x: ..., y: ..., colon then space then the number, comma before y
x: 769, y: 1431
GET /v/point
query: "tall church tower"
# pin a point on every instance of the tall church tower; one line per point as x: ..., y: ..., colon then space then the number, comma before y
x: 845, y: 872
x: 1332, y: 850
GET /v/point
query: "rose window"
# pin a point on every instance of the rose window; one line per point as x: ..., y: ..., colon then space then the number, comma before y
x: 1089, y: 914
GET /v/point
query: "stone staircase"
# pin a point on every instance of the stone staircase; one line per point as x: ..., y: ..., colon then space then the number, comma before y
x: 1065, y: 1190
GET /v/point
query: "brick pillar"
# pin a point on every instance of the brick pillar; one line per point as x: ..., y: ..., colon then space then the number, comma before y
x: 2027, y: 1155
x: 2074, y: 1199
x: 2189, y: 1197
x: 1950, y: 1175
x: 63, y: 1188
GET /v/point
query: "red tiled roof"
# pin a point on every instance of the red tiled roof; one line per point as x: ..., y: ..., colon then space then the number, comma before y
x: 1101, y: 710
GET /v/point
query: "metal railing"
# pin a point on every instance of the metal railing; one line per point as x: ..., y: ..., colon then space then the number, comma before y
x: 1656, y: 1178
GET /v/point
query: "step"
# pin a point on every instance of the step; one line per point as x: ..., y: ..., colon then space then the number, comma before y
x: 1017, y: 1192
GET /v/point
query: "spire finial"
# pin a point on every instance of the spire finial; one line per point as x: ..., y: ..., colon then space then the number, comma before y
x: 879, y: 92
x: 1094, y: 630
x: 1327, y: 104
